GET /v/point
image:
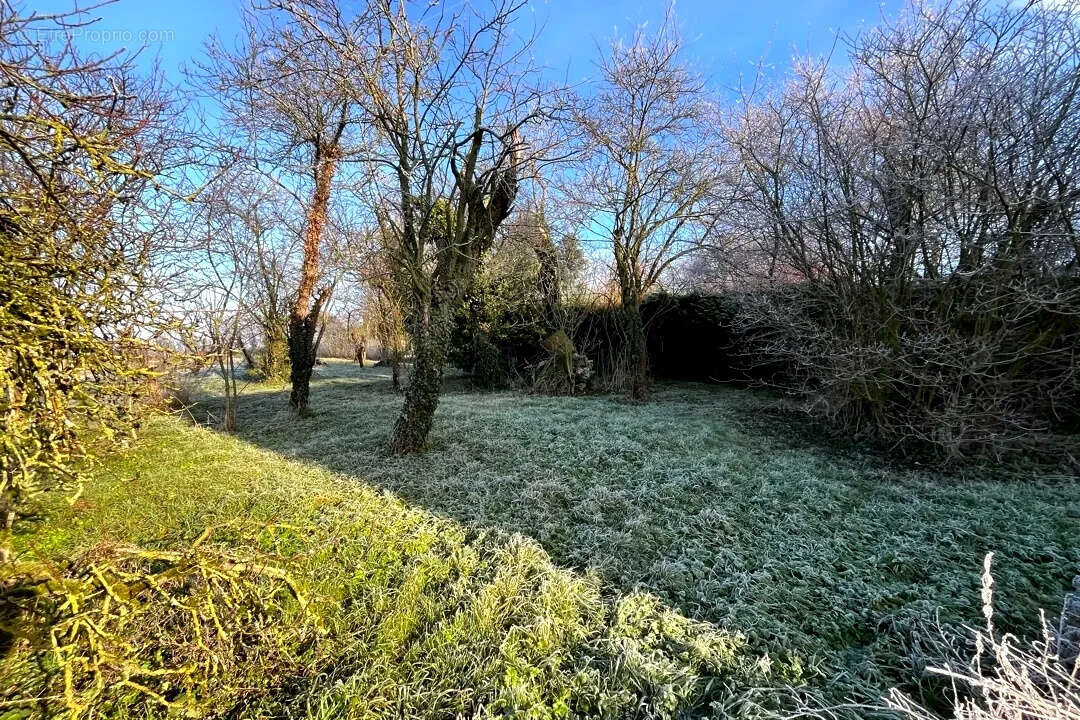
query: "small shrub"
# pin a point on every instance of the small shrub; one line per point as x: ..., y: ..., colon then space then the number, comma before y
x: 565, y: 371
x: 487, y: 369
x: 175, y: 392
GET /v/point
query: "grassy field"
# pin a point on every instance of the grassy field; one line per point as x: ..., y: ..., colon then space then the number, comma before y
x: 695, y: 556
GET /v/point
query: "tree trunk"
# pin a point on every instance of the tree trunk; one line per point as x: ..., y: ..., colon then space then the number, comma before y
x: 422, y: 394
x: 249, y: 359
x: 228, y: 371
x: 301, y: 360
x: 639, y: 357
x: 395, y: 373
x: 361, y: 354
x: 304, y: 315
x: 275, y: 361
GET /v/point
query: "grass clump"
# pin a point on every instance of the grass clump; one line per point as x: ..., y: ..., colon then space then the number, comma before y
x: 1005, y: 678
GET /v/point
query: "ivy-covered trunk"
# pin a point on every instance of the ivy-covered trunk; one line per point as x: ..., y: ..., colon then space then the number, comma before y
x: 302, y: 332
x: 274, y: 364
x: 304, y: 316
x: 458, y: 234
x: 432, y: 342
x: 639, y: 357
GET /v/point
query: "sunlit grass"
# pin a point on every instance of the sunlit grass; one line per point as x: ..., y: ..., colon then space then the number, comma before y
x: 514, y: 565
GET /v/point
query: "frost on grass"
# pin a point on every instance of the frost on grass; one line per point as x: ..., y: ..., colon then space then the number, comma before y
x: 710, y: 557
x: 729, y: 515
x: 385, y: 611
x: 1006, y: 678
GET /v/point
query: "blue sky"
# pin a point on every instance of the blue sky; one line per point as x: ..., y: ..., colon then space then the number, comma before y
x: 725, y: 38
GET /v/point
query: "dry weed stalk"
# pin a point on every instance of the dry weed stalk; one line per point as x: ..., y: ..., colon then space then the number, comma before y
x: 1007, y: 679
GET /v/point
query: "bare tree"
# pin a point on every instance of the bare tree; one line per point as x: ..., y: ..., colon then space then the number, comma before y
x: 234, y: 283
x: 288, y: 92
x: 262, y: 244
x: 445, y: 92
x: 357, y: 334
x: 221, y: 325
x: 386, y: 319
x: 919, y: 219
x: 271, y: 254
x: 648, y: 172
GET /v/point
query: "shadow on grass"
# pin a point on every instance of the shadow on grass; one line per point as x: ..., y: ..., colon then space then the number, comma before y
x: 700, y: 498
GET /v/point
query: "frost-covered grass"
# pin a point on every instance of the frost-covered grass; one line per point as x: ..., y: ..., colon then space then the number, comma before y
x: 829, y: 562
x: 418, y: 616
x: 704, y: 499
